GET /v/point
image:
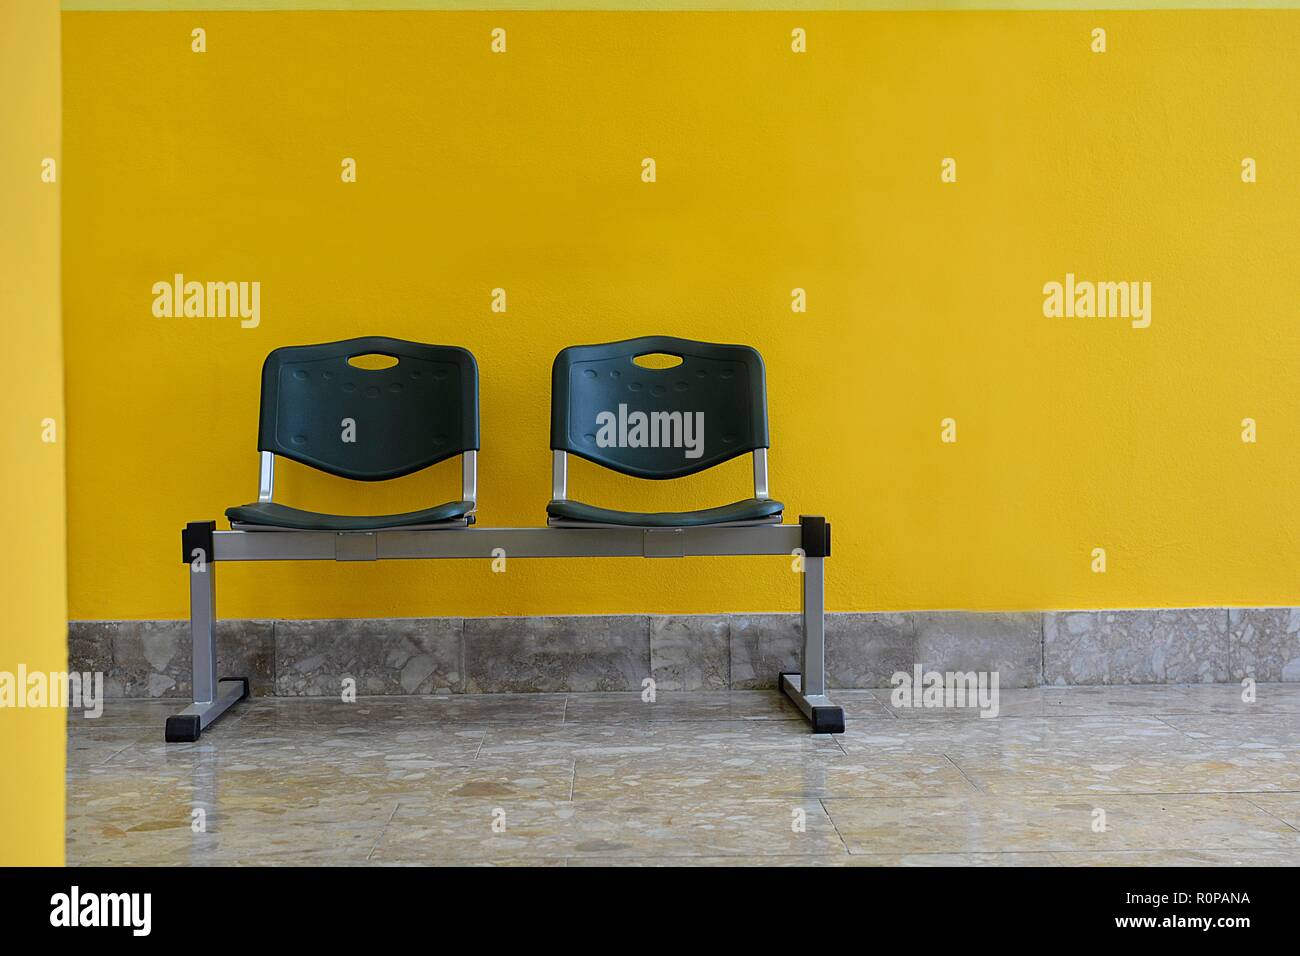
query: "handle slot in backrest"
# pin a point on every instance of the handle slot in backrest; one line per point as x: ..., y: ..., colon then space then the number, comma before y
x: 372, y: 361
x: 657, y: 361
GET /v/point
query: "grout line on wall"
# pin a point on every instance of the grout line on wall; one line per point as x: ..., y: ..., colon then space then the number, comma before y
x: 1042, y: 647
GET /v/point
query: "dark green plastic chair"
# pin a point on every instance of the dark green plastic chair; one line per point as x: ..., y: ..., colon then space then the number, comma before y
x: 659, y: 424
x: 399, y: 420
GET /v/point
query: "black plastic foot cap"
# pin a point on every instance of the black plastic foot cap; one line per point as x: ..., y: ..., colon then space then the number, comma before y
x: 182, y: 728
x: 828, y: 720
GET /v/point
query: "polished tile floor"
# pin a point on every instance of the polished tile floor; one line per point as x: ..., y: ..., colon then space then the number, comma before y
x: 1159, y: 775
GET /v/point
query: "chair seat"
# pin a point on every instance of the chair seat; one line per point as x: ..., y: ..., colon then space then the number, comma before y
x: 751, y: 509
x: 271, y: 515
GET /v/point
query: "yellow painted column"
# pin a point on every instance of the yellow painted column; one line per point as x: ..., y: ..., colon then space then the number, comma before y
x: 33, y: 579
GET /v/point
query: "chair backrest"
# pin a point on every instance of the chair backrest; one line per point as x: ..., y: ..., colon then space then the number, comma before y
x: 369, y: 424
x: 658, y: 422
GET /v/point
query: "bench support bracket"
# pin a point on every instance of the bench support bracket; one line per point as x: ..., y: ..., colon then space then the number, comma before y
x: 808, y: 687
x: 212, y: 697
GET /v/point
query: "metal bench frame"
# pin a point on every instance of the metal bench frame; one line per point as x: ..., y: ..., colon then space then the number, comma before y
x: 205, y: 548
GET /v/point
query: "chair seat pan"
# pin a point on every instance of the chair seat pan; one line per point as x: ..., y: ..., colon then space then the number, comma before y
x: 751, y: 509
x: 274, y: 515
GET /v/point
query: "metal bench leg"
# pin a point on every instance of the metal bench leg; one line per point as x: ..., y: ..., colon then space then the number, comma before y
x: 212, y: 697
x: 808, y: 688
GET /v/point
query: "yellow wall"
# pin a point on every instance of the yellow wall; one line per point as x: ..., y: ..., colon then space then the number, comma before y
x: 33, y: 583
x: 775, y: 171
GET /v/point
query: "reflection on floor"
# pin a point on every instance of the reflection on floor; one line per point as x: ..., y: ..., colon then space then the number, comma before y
x: 1139, y: 775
